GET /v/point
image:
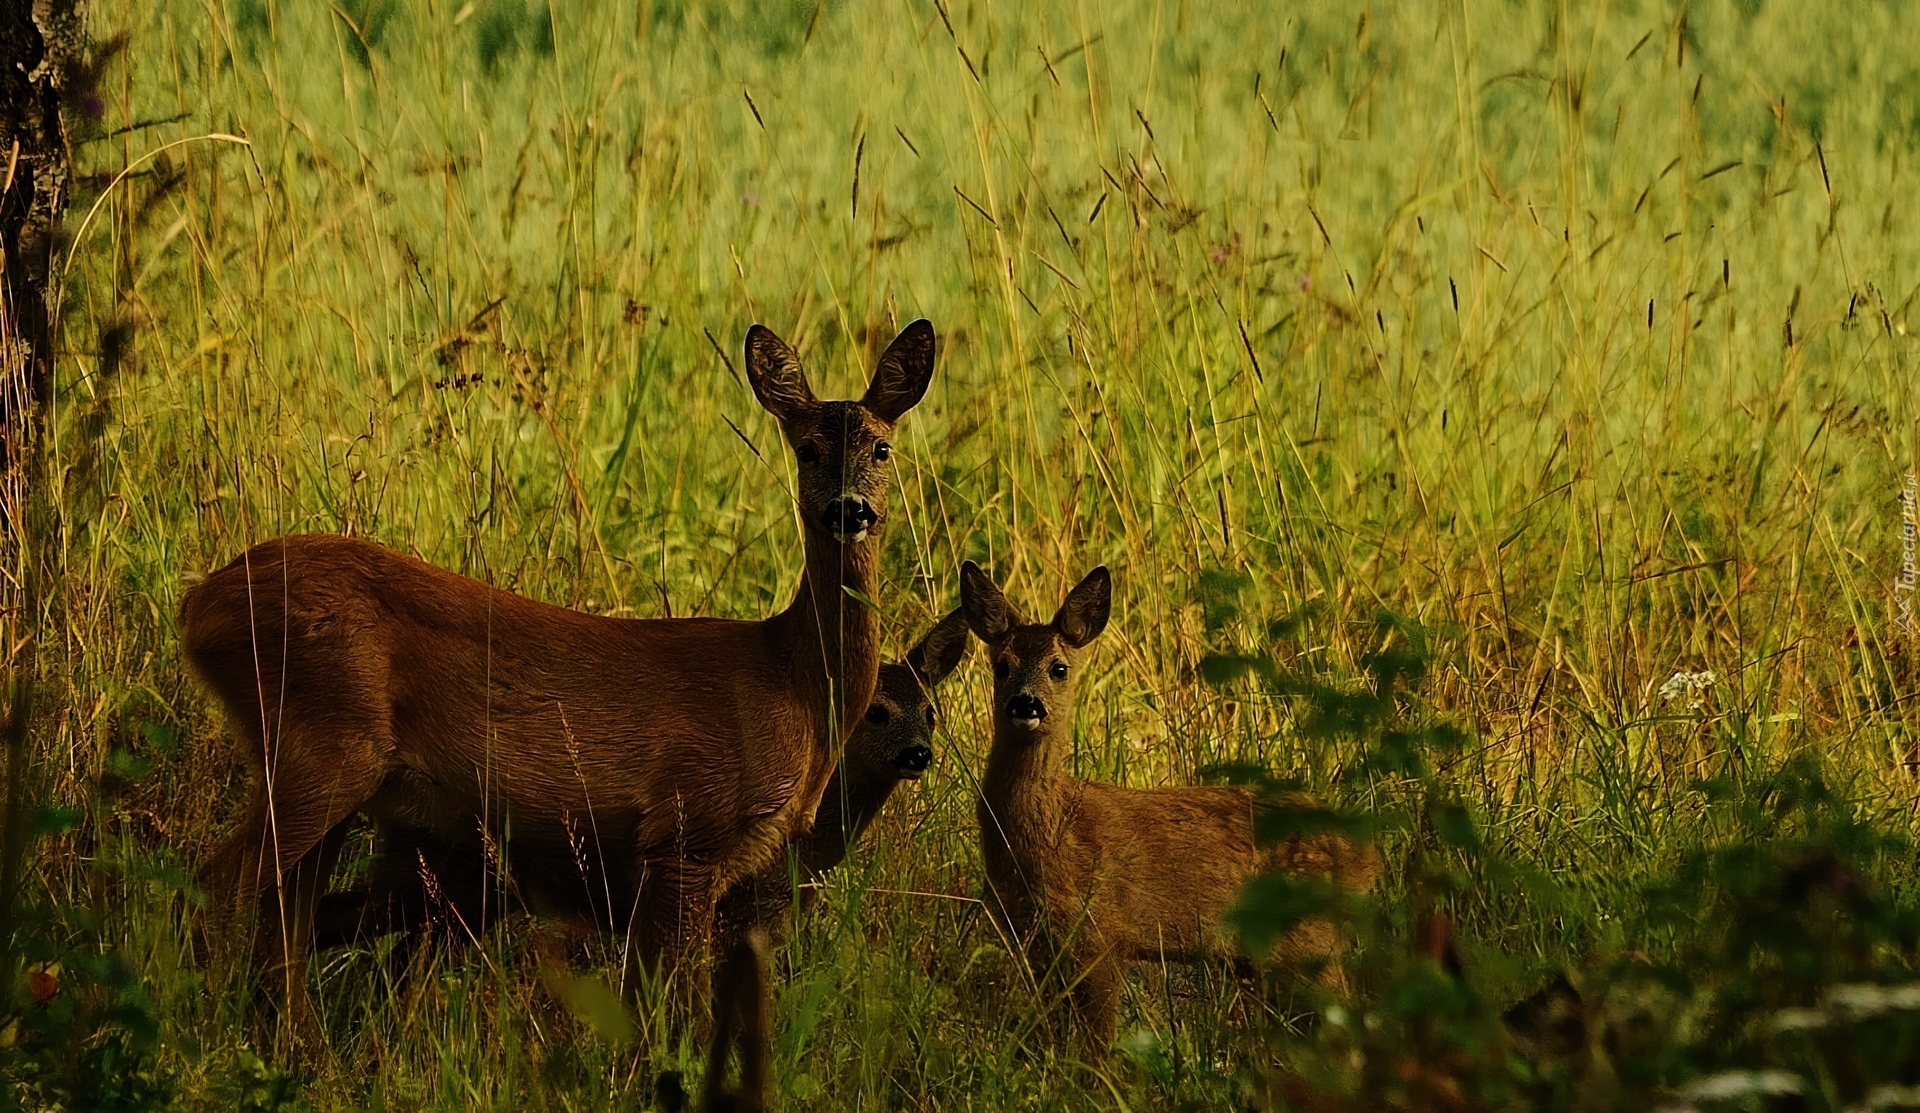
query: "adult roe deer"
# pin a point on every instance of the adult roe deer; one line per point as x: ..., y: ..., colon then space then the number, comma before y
x: 1092, y: 876
x: 673, y: 756
x: 893, y: 743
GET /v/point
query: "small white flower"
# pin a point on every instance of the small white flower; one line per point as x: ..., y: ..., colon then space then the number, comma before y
x: 1689, y: 685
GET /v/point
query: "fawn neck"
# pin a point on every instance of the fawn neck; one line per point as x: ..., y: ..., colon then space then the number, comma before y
x: 846, y: 811
x: 833, y: 639
x: 1024, y: 775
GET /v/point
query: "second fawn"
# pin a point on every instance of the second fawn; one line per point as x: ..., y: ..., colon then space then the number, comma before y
x: 893, y: 743
x: 1092, y: 876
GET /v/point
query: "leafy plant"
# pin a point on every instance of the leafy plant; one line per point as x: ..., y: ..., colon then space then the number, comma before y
x: 1761, y: 966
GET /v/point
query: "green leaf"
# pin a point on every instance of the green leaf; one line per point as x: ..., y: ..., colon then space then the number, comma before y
x: 593, y: 1001
x: 55, y: 820
x: 1221, y: 669
x: 1455, y: 826
x: 1273, y: 903
x: 164, y: 737
x: 128, y: 767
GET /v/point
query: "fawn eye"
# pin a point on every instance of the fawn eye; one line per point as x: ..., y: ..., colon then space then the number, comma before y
x: 877, y: 714
x: 882, y: 450
x: 1001, y: 669
x: 1058, y: 671
x: 807, y: 454
x: 929, y: 716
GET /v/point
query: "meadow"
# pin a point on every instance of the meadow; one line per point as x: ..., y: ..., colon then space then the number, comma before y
x: 1564, y: 347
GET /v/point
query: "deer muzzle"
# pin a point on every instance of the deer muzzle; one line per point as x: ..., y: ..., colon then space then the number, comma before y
x: 913, y: 761
x: 848, y: 519
x: 1027, y: 709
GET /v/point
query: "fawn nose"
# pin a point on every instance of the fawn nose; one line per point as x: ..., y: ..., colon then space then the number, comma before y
x: 848, y: 518
x: 1026, y: 708
x: 914, y: 760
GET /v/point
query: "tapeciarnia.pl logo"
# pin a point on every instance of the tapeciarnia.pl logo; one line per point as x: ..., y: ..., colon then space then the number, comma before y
x: 1909, y: 578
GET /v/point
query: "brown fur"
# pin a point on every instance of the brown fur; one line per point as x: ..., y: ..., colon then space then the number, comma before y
x: 664, y: 758
x: 898, y: 722
x: 1093, y: 876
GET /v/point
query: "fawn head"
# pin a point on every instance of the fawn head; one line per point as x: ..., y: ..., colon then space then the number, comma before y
x: 896, y: 737
x: 842, y: 447
x: 1036, y: 668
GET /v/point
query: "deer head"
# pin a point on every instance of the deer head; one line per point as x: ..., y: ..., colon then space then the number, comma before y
x: 843, y: 447
x: 895, y: 739
x: 1036, y: 667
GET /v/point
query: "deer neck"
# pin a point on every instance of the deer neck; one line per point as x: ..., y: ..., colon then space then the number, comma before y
x: 833, y: 639
x: 846, y: 810
x: 1024, y: 780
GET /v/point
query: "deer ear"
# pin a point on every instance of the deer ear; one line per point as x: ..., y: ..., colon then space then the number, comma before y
x: 1084, y: 614
x: 775, y: 373
x: 904, y: 371
x: 941, y: 651
x: 989, y: 615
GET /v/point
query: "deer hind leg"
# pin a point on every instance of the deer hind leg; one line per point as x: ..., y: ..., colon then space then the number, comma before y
x: 1314, y: 949
x: 265, y: 881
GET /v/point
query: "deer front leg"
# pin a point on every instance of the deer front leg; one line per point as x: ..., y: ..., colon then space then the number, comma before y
x: 674, y: 928
x: 1096, y: 997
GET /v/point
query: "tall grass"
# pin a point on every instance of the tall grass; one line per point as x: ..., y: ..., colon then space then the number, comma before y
x: 1576, y: 334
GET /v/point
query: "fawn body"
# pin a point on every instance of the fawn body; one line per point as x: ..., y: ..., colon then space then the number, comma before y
x: 671, y: 756
x: 892, y: 743
x: 1092, y: 876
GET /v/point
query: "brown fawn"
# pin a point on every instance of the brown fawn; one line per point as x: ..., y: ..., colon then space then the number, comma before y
x: 893, y: 743
x: 672, y: 757
x: 1091, y: 876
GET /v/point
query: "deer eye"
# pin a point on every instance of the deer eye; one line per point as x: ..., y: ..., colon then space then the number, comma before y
x: 1058, y: 671
x: 929, y: 716
x: 882, y: 450
x: 877, y: 714
x: 1001, y: 669
x: 807, y: 454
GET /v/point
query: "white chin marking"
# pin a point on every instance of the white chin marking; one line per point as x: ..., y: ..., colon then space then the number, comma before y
x: 851, y: 538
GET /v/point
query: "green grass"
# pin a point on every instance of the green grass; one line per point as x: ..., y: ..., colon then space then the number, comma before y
x: 1578, y: 336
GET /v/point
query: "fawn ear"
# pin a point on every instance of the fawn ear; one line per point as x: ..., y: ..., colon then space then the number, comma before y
x: 1084, y: 614
x: 988, y: 613
x: 776, y: 376
x: 904, y: 371
x: 941, y: 651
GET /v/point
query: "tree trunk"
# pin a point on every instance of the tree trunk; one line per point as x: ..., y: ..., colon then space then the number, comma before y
x: 42, y: 44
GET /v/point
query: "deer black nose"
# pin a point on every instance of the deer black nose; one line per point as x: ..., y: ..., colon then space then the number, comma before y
x: 914, y: 759
x: 1026, y: 708
x: 849, y: 517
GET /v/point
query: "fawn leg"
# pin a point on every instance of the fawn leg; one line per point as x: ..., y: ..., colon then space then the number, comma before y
x: 1096, y: 998
x: 417, y: 882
